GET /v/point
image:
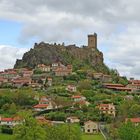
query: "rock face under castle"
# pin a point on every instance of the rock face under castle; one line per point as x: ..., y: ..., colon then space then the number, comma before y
x: 45, y: 53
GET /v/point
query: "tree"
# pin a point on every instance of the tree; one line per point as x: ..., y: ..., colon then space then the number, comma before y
x: 29, y: 129
x: 84, y: 85
x: 134, y: 110
x: 56, y: 116
x: 12, y: 108
x: 124, y: 109
x: 127, y: 131
x: 63, y: 132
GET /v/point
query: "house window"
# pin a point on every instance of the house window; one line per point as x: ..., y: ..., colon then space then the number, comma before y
x: 88, y: 130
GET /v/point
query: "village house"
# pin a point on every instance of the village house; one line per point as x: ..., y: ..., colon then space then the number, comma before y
x: 129, y: 97
x: 44, y: 68
x: 35, y: 85
x: 71, y: 88
x: 38, y: 78
x: 21, y: 81
x: 102, y: 77
x: 43, y: 120
x: 49, y: 83
x: 42, y: 107
x: 134, y: 81
x: 27, y: 73
x: 91, y: 127
x: 80, y: 100
x: 55, y: 65
x: 63, y: 70
x: 107, y: 109
x: 106, y: 79
x: 72, y: 119
x: 44, y: 104
x: 135, y: 121
x: 77, y: 98
x: 9, y: 74
x: 3, y: 80
x: 134, y: 85
x: 97, y: 76
x: 10, y: 121
x: 43, y: 100
x: 22, y: 69
x: 43, y: 80
x: 57, y: 122
x: 116, y: 87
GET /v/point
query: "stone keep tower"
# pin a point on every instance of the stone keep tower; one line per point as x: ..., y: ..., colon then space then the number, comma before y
x: 92, y: 41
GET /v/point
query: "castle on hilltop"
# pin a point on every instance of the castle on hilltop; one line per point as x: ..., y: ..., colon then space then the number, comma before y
x: 92, y: 41
x: 45, y: 53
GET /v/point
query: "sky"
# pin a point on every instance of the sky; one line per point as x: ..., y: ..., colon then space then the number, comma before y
x: 117, y: 23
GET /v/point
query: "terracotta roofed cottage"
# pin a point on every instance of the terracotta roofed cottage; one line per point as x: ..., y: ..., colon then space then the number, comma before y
x: 107, y: 109
x: 91, y: 127
x: 136, y: 121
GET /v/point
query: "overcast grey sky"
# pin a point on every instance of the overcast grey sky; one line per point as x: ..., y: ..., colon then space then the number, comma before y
x: 117, y: 23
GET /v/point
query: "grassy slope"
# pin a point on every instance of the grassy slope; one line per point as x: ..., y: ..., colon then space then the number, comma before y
x: 92, y: 137
x: 84, y: 137
x: 5, y: 137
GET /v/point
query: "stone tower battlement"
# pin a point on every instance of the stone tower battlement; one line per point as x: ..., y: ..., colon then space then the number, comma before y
x: 92, y: 41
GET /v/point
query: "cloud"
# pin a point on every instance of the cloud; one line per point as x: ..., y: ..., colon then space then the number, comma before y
x: 9, y: 54
x: 116, y: 23
x: 61, y: 20
x: 125, y: 52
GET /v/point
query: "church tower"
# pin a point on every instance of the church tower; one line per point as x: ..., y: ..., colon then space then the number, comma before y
x: 92, y: 41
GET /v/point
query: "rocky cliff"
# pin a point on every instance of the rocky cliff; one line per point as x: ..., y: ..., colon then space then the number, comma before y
x: 44, y: 53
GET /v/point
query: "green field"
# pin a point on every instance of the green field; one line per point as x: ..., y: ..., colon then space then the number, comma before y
x: 92, y: 137
x: 84, y: 137
x: 5, y: 137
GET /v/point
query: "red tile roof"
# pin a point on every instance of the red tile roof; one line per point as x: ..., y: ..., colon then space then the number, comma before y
x: 113, y: 85
x: 2, y: 79
x: 119, y: 88
x: 41, y: 106
x: 134, y: 120
x: 134, y: 84
x: 135, y: 81
x: 11, y: 119
x: 76, y: 96
x: 21, y: 80
x: 7, y: 119
x: 49, y: 78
